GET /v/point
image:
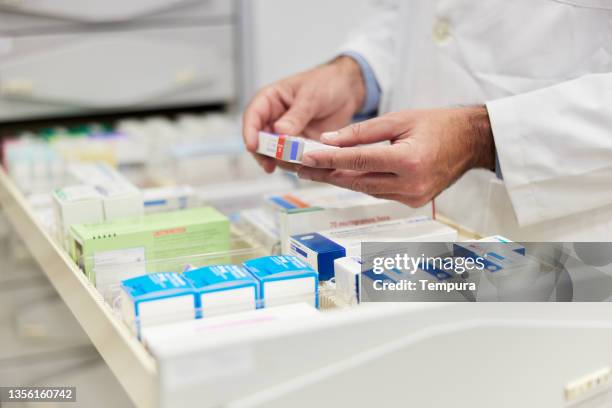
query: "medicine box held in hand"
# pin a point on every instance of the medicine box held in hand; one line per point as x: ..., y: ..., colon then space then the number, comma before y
x: 223, y: 289
x: 135, y: 243
x: 288, y: 148
x: 283, y: 280
x: 157, y: 298
x: 320, y: 249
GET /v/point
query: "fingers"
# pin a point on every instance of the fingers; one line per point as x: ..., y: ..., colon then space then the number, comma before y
x: 367, y: 132
x: 265, y: 107
x: 290, y: 167
x: 267, y: 163
x: 411, y: 201
x: 270, y: 164
x: 296, y: 118
x: 369, y: 183
x: 380, y: 185
x: 379, y: 159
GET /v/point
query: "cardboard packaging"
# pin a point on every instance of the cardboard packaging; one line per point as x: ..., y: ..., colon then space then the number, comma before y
x: 320, y: 249
x: 113, y: 251
x: 288, y: 148
x: 283, y: 280
x: 223, y: 289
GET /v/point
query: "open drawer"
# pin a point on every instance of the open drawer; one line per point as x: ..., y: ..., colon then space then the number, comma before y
x: 391, y: 354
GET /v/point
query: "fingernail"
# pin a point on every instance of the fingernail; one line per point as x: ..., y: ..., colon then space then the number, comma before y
x: 329, y: 137
x: 308, y: 161
x: 303, y: 175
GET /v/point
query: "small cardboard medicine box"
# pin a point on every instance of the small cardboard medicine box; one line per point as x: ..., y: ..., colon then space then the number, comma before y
x: 494, y: 256
x: 283, y: 280
x: 320, y: 250
x: 348, y: 279
x: 137, y: 242
x: 157, y: 298
x: 120, y: 201
x: 223, y: 289
x: 169, y: 198
x: 288, y: 148
x: 120, y: 198
x: 76, y: 205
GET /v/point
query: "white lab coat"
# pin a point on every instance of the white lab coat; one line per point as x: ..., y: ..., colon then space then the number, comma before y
x: 544, y: 69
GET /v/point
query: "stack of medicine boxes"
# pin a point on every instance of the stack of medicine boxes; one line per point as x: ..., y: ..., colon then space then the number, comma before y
x: 102, y: 194
x: 220, y: 289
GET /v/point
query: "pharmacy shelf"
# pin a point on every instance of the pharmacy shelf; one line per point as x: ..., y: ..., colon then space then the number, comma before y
x: 133, y: 366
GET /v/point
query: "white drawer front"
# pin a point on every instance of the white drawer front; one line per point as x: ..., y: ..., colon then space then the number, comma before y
x: 121, y: 69
x: 30, y: 14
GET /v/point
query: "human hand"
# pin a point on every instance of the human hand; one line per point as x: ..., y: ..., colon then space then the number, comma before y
x: 429, y: 150
x: 305, y: 104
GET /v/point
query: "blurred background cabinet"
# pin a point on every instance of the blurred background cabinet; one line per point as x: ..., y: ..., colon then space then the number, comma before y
x: 71, y: 57
x: 76, y: 58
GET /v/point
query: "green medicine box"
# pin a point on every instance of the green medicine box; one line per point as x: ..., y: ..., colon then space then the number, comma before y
x: 151, y: 243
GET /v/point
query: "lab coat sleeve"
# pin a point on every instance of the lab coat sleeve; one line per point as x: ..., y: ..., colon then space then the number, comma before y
x: 372, y: 88
x: 555, y: 148
x: 376, y: 42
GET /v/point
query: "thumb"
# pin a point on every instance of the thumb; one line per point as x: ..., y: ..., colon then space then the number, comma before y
x: 295, y: 120
x: 366, y: 132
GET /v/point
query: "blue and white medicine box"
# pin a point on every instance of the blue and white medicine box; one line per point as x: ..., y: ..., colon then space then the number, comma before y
x: 321, y: 249
x: 283, y: 280
x: 494, y: 257
x: 223, y: 289
x: 318, y: 251
x: 157, y: 298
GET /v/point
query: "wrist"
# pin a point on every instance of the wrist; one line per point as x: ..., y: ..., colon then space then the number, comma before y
x: 483, y: 144
x: 350, y: 71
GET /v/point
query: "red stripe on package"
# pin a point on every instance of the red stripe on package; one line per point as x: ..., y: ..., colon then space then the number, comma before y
x: 280, y: 147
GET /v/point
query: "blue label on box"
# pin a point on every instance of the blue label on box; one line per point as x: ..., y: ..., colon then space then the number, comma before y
x: 270, y: 268
x: 295, y: 147
x: 220, y: 277
x: 277, y: 268
x: 155, y: 203
x: 156, y: 286
x: 280, y: 201
x: 156, y: 283
x: 494, y: 261
x: 324, y: 249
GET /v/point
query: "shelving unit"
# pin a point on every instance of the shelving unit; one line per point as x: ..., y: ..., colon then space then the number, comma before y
x: 130, y: 362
